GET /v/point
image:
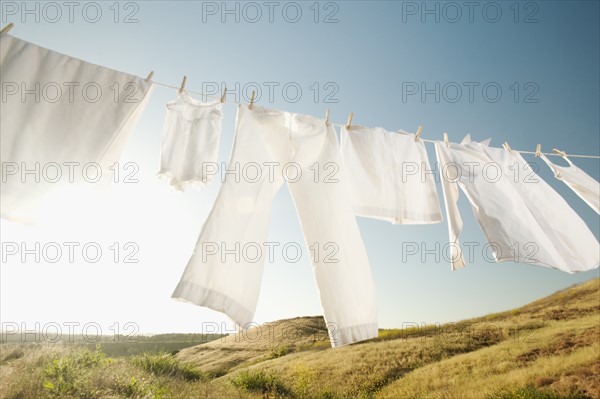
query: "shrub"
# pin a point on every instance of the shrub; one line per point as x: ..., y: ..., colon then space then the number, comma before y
x: 65, y: 375
x: 134, y: 388
x: 277, y: 351
x: 166, y: 365
x: 259, y: 381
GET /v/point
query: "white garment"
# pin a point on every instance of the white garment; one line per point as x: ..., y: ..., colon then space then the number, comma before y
x: 580, y: 182
x: 289, y: 143
x: 522, y: 217
x: 190, y: 145
x: 59, y: 116
x: 389, y: 175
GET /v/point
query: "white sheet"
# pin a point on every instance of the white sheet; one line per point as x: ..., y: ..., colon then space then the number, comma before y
x: 61, y: 117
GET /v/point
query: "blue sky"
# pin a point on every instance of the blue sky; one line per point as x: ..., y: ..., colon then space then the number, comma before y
x: 544, y: 57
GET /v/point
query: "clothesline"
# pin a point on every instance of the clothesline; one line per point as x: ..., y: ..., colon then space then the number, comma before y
x: 343, y: 125
x: 8, y: 27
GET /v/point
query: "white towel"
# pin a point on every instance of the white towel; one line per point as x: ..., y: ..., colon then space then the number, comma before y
x: 61, y: 117
x: 580, y: 182
x: 522, y: 217
x: 389, y: 175
x: 190, y: 145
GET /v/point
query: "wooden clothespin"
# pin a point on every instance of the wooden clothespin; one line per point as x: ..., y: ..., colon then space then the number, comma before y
x: 349, y: 123
x: 7, y: 28
x: 224, y: 95
x: 150, y: 75
x: 252, y: 100
x: 419, y: 129
x: 506, y: 146
x: 559, y: 152
x: 538, y: 150
x: 183, y: 82
x: 327, y: 118
x: 446, y: 139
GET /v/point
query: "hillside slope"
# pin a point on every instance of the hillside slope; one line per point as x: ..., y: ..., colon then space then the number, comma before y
x: 548, y: 349
x: 264, y: 342
x: 552, y: 344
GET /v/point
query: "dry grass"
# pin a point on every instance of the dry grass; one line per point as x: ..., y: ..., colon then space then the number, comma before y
x: 549, y: 349
x: 268, y: 341
x: 58, y: 371
x: 502, y: 366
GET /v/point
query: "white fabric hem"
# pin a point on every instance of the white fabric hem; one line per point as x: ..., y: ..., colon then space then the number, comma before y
x: 201, y: 296
x: 394, y: 216
x: 348, y: 335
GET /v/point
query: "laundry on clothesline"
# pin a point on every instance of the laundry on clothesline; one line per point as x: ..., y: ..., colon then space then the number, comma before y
x: 190, y: 144
x: 580, y: 182
x: 83, y: 121
x: 240, y: 216
x: 522, y: 217
x: 385, y: 174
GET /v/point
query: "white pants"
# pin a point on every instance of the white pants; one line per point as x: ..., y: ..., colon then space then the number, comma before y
x: 241, y: 215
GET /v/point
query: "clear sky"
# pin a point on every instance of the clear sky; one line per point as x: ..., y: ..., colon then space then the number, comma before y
x: 534, y: 69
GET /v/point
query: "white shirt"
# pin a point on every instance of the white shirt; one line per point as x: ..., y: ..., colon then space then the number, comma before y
x: 522, y: 217
x: 580, y: 182
x: 389, y: 175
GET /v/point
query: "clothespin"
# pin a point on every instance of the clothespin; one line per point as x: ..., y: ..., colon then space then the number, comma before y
x: 559, y: 152
x: 150, y: 75
x: 446, y: 139
x: 224, y: 95
x: 419, y: 129
x: 252, y: 100
x: 506, y: 146
x: 349, y: 123
x: 327, y: 118
x: 538, y: 150
x: 183, y: 84
x: 7, y: 28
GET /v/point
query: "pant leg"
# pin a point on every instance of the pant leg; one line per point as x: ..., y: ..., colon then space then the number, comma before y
x: 229, y: 282
x: 341, y: 269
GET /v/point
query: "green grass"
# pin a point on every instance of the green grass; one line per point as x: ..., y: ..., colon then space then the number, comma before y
x: 260, y: 382
x: 75, y: 372
x: 166, y: 365
x: 65, y: 375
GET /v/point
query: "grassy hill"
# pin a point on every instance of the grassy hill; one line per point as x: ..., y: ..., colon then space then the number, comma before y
x: 547, y: 349
x: 264, y: 342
